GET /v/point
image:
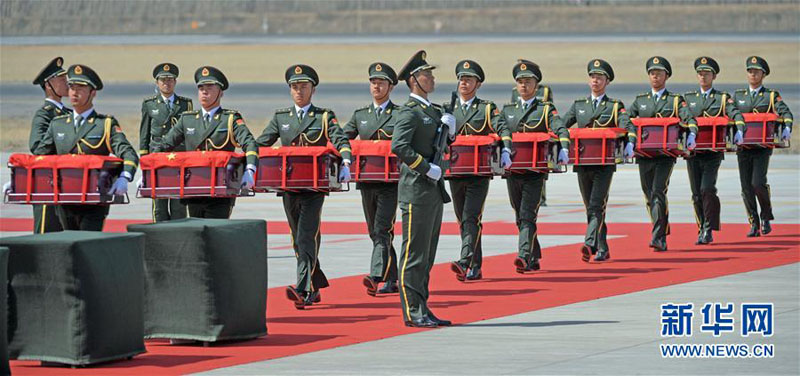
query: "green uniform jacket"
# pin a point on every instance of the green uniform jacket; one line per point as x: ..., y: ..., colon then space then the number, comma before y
x: 539, y: 117
x: 226, y: 131
x: 366, y: 126
x: 157, y: 120
x: 717, y: 103
x: 318, y: 122
x: 669, y: 105
x: 412, y: 142
x: 610, y: 113
x: 41, y: 121
x: 99, y: 135
x: 767, y: 100
x: 481, y: 118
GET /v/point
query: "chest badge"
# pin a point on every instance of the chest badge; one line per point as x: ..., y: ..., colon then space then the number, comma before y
x: 741, y: 101
x: 581, y: 112
x: 364, y: 122
x: 189, y: 131
x: 427, y: 120
x: 510, y: 116
x: 155, y: 111
x: 643, y: 106
x: 285, y: 126
x: 692, y: 104
x: 60, y: 136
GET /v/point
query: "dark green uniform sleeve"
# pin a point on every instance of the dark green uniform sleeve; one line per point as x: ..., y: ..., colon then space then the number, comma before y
x: 783, y: 110
x: 174, y: 137
x: 337, y: 137
x: 557, y: 126
x: 270, y: 134
x: 402, y: 138
x: 499, y: 125
x: 351, y: 129
x: 687, y: 119
x: 122, y: 148
x: 567, y: 121
x: 624, y: 121
x: 244, y: 139
x: 144, y: 131
x: 732, y: 112
x: 39, y: 126
x: 46, y: 145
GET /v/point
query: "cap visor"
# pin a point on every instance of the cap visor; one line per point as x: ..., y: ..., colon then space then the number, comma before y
x: 204, y: 82
x: 78, y: 81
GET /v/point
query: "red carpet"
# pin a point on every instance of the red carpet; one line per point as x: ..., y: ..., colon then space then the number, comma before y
x: 348, y: 316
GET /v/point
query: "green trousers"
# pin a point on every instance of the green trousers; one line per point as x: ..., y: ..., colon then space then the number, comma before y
x: 304, y: 213
x: 469, y: 197
x: 595, y: 184
x: 654, y: 174
x: 525, y: 194
x: 379, y: 202
x: 753, y: 166
x: 209, y: 207
x: 166, y: 209
x: 703, y: 169
x: 45, y: 219
x: 421, y: 225
x: 82, y: 217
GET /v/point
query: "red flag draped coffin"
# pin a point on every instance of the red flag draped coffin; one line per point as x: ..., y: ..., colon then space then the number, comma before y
x: 63, y: 179
x: 712, y: 133
x: 374, y: 162
x: 298, y: 168
x: 762, y: 130
x: 474, y: 155
x: 192, y: 174
x: 535, y: 151
x: 596, y: 146
x: 659, y: 136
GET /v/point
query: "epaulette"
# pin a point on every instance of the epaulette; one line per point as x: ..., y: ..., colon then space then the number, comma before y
x: 509, y: 104
x: 150, y: 98
x: 188, y: 113
x: 102, y: 116
x: 585, y: 100
x: 283, y: 110
x: 436, y: 106
x: 61, y: 116
x: 691, y: 92
x: 741, y: 90
x: 643, y: 94
x: 185, y: 99
x: 323, y: 109
x: 48, y: 107
x: 229, y: 111
x: 362, y: 108
x: 411, y: 103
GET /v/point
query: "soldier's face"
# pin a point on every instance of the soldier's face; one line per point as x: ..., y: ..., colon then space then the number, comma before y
x: 598, y: 83
x: 658, y: 78
x: 706, y: 78
x: 301, y: 93
x: 209, y: 95
x: 426, y: 81
x: 526, y: 87
x: 755, y: 77
x: 380, y: 89
x: 59, y: 85
x: 166, y: 85
x: 81, y: 96
x: 467, y: 86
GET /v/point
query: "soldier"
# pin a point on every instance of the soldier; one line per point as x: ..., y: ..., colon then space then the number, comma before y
x: 474, y: 116
x: 84, y: 131
x: 306, y: 125
x: 421, y: 193
x: 379, y: 200
x: 703, y: 166
x: 754, y: 162
x: 211, y: 129
x: 598, y: 111
x: 654, y: 173
x: 53, y: 81
x: 529, y: 114
x: 159, y: 113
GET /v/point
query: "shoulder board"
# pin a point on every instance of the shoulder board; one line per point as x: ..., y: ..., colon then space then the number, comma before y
x: 229, y: 111
x: 725, y: 93
x: 102, y: 116
x: 283, y: 110
x: 61, y: 116
x: 323, y: 109
x: 190, y: 113
x: 509, y: 104
x: 486, y: 101
x: 643, y: 94
x: 411, y: 103
x: 362, y: 108
x: 768, y: 90
x: 187, y: 99
x: 48, y: 107
x: 741, y: 90
x: 150, y: 98
x: 586, y: 100
x: 612, y: 100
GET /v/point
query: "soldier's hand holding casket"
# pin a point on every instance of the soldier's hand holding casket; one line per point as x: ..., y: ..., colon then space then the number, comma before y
x: 450, y: 120
x: 691, y: 141
x: 738, y: 138
x: 786, y: 134
x: 344, y: 173
x: 505, y: 159
x: 7, y: 187
x: 249, y: 177
x: 563, y: 157
x: 435, y: 172
x: 628, y: 154
x: 120, y: 187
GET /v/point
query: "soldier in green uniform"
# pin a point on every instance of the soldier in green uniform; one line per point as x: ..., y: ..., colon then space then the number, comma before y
x: 159, y: 113
x: 376, y: 121
x: 305, y: 124
x: 598, y: 111
x: 87, y: 132
x: 474, y: 116
x: 703, y: 166
x: 421, y: 193
x: 654, y: 173
x: 528, y: 114
x: 53, y: 81
x: 754, y: 162
x: 211, y: 129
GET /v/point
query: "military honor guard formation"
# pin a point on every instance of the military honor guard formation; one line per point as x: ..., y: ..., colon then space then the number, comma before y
x: 400, y: 154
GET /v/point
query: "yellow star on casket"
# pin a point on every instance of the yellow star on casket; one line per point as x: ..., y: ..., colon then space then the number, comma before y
x: 171, y: 156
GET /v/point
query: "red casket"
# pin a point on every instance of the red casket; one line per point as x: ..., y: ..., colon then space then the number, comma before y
x: 762, y: 130
x: 534, y: 152
x: 473, y: 155
x: 597, y: 146
x: 63, y: 179
x: 712, y: 133
x: 659, y: 136
x: 374, y: 162
x: 298, y: 169
x: 192, y: 174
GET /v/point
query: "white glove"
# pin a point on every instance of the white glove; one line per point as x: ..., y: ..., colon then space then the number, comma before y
x: 344, y: 173
x: 6, y: 187
x: 249, y: 177
x: 450, y: 120
x: 505, y: 159
x: 691, y: 141
x: 120, y: 187
x: 738, y: 138
x: 628, y: 151
x: 563, y: 157
x: 786, y: 134
x: 435, y: 172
